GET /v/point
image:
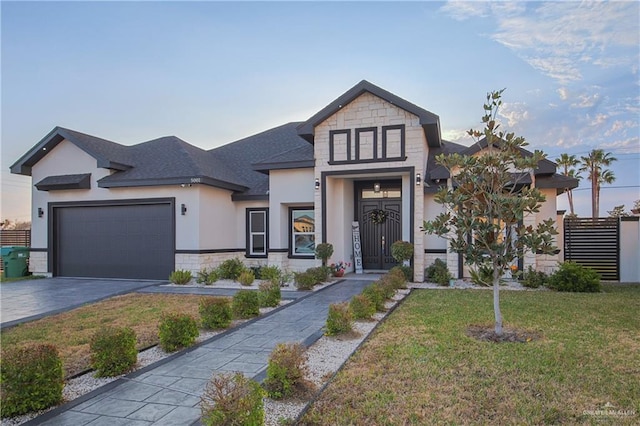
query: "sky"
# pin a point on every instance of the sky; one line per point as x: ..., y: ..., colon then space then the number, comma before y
x: 214, y: 72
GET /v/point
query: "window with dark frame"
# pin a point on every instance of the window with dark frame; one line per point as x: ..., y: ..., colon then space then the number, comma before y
x: 365, y: 147
x: 302, y: 229
x: 257, y: 235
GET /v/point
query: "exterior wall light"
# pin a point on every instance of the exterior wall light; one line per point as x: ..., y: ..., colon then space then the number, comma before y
x: 376, y: 187
x: 183, y: 209
x: 418, y: 179
x: 317, y: 185
x: 40, y: 212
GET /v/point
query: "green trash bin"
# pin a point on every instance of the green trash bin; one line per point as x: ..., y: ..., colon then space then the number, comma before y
x: 15, y: 260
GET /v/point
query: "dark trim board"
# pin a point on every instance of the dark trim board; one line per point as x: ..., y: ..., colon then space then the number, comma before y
x: 211, y: 251
x: 372, y: 173
x: 435, y: 251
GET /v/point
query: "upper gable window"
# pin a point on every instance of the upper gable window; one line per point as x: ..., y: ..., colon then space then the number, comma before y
x: 365, y: 146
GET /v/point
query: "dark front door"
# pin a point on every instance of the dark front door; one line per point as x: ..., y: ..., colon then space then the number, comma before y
x: 380, y: 226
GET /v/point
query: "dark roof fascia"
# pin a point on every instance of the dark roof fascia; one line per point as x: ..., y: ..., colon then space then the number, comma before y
x: 62, y: 182
x: 244, y: 197
x: 428, y: 120
x: 201, y: 180
x: 560, y: 182
x: 285, y: 165
x: 545, y: 167
x: 51, y: 140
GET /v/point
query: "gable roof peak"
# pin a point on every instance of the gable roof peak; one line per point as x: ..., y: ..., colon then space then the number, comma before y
x: 428, y: 120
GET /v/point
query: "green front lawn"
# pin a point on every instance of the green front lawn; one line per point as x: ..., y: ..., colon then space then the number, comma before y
x: 420, y: 367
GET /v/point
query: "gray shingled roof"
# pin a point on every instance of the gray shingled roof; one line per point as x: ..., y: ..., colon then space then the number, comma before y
x: 296, y: 158
x: 242, y: 154
x: 169, y: 160
x: 50, y: 183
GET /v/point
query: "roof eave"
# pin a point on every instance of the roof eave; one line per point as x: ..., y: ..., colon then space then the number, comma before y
x: 202, y: 180
x: 284, y: 165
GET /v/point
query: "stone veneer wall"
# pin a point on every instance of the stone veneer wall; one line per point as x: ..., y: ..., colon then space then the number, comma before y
x: 38, y: 264
x: 197, y: 262
x: 370, y: 111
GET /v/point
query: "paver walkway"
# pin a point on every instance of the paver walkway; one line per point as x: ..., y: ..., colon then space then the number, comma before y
x: 169, y: 392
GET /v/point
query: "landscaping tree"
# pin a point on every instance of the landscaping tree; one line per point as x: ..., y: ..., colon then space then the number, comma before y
x: 618, y: 211
x: 593, y: 165
x: 568, y: 164
x: 487, y: 198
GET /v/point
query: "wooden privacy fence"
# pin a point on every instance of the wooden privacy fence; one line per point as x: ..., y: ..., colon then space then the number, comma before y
x: 14, y: 237
x: 594, y: 243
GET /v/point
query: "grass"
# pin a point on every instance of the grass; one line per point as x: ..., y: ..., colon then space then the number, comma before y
x: 420, y: 367
x: 71, y: 331
x: 3, y: 279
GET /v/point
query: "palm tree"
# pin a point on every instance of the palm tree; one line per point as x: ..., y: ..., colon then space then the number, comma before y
x: 568, y: 162
x: 593, y: 164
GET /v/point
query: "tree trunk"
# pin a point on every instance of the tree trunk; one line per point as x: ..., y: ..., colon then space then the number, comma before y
x: 570, y: 197
x: 496, y: 302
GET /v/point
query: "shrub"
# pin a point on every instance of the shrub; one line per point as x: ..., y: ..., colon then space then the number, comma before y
x: 286, y: 370
x: 269, y: 294
x: 246, y: 277
x: 31, y: 378
x: 387, y: 288
x: 438, y: 273
x: 339, y: 319
x: 321, y: 273
x: 574, y: 277
x: 399, y: 278
x: 482, y: 276
x: 304, y: 280
x: 177, y: 331
x: 113, y: 351
x: 232, y: 399
x: 407, y: 271
x: 395, y: 280
x: 208, y: 276
x: 533, y: 279
x: 270, y: 273
x: 361, y: 307
x: 401, y: 251
x: 180, y: 277
x: 324, y: 252
x: 215, y: 312
x: 376, y: 295
x: 245, y: 304
x: 231, y: 269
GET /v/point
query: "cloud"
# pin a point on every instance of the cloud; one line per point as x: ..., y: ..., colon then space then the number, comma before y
x: 562, y: 38
x: 599, y: 119
x: 629, y: 146
x: 586, y: 101
x: 619, y: 126
x: 457, y: 136
x: 564, y: 93
x: 515, y: 112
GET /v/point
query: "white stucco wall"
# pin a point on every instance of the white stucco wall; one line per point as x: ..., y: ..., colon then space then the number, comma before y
x: 629, y: 250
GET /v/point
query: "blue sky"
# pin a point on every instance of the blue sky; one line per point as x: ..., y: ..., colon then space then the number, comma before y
x: 214, y: 72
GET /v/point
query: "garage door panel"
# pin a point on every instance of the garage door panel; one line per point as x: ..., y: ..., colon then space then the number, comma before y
x: 119, y: 241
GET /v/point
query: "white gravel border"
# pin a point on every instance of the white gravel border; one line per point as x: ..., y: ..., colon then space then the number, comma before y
x: 325, y: 357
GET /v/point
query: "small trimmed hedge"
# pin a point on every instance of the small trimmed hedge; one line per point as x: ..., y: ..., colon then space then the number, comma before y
x: 31, y: 379
x: 113, y: 351
x: 375, y: 294
x: 180, y: 277
x: 177, y: 331
x: 438, y: 273
x: 245, y: 304
x: 231, y: 269
x: 574, y: 277
x: 339, y: 319
x: 246, y: 277
x: 286, y: 370
x: 305, y: 281
x: 215, y: 312
x: 269, y: 294
x: 361, y: 307
x: 232, y: 399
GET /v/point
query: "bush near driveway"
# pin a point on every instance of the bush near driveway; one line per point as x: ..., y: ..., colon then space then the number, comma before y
x: 177, y: 331
x: 113, y: 351
x: 215, y: 312
x: 31, y: 379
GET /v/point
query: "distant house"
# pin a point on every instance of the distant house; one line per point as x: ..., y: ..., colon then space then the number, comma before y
x: 101, y: 209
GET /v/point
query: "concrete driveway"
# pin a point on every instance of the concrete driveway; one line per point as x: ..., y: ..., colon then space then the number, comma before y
x: 23, y: 301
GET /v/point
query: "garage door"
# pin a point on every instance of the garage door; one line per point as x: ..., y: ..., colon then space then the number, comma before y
x: 114, y: 241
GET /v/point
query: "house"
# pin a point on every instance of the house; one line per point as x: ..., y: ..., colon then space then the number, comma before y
x: 101, y: 209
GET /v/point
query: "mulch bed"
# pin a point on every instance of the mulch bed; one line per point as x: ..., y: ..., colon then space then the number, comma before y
x: 486, y: 333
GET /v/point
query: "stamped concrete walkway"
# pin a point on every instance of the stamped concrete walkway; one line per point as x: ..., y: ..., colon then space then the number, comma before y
x: 168, y: 392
